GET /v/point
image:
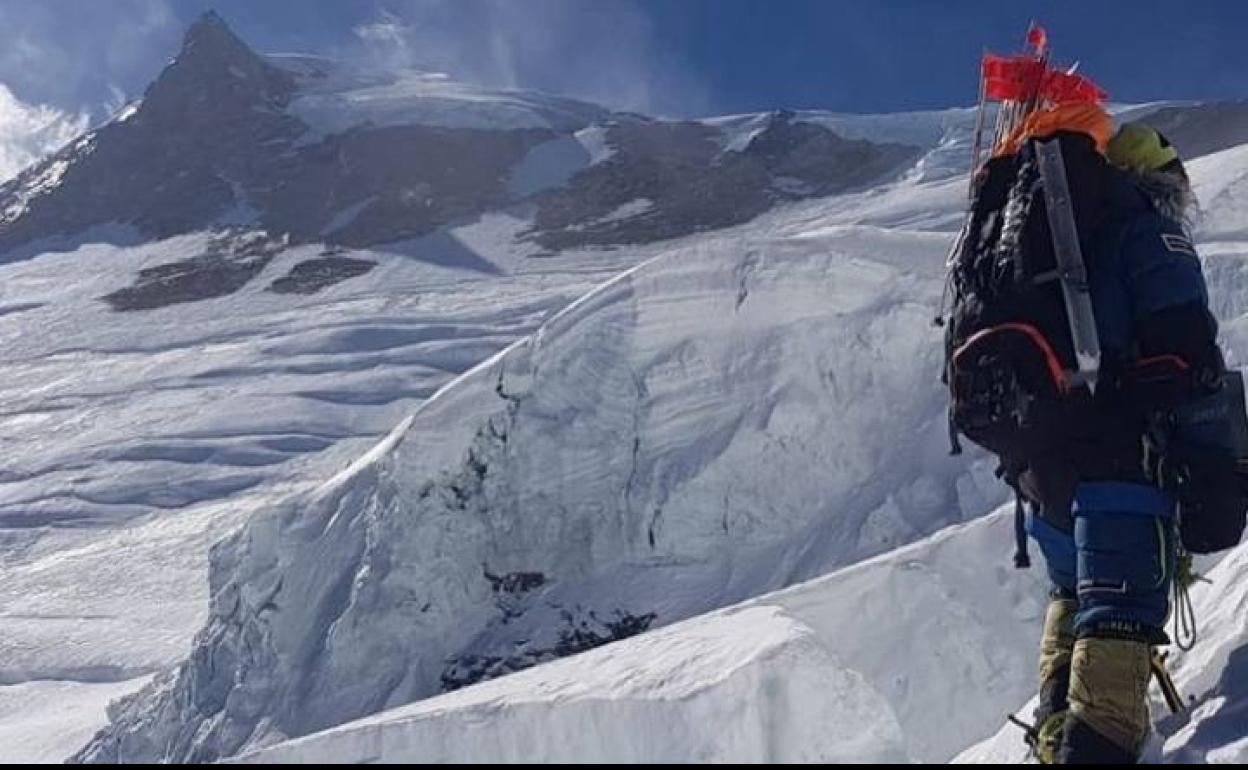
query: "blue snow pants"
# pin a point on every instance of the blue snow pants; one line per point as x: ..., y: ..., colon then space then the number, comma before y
x: 1117, y: 560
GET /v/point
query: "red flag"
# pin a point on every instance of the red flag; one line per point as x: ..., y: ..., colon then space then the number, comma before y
x: 1066, y: 88
x: 1037, y: 38
x: 1022, y: 78
x: 1014, y: 78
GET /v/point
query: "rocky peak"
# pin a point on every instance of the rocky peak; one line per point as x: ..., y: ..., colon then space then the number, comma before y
x: 210, y: 31
x: 220, y: 141
x: 215, y: 72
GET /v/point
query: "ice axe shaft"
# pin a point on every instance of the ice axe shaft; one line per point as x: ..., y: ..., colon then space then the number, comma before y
x: 1071, y: 268
x: 1157, y: 663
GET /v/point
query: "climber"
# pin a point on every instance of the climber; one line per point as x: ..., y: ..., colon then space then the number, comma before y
x: 1079, y: 314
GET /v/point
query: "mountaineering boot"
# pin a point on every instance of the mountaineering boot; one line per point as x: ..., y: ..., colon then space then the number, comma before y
x: 1108, y: 718
x: 1056, y: 648
x: 1084, y: 746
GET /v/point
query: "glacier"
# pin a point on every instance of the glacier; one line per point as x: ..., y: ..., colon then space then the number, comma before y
x: 857, y: 666
x: 483, y: 500
x: 633, y: 510
x: 644, y: 457
x: 713, y: 424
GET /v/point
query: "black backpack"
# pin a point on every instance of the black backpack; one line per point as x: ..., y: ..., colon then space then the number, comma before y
x: 1008, y: 346
x: 1009, y: 352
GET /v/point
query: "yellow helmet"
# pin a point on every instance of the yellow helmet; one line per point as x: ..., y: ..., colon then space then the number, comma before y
x: 1138, y: 147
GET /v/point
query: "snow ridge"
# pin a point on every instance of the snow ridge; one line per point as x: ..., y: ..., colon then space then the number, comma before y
x: 820, y: 672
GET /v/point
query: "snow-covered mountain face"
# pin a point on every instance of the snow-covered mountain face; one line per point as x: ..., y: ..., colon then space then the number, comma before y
x: 306, y: 150
x: 719, y: 422
x: 714, y: 424
x: 822, y: 672
x: 214, y: 305
x: 180, y: 353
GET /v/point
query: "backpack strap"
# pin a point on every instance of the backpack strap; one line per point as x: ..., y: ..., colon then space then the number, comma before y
x: 1010, y: 474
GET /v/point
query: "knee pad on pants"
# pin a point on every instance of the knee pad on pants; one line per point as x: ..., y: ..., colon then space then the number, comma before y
x: 1125, y: 562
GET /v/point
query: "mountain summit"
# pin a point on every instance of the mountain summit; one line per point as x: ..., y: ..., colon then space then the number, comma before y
x: 213, y: 77
x: 312, y: 151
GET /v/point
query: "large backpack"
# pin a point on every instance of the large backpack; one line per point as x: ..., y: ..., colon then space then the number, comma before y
x: 1010, y: 355
x: 1009, y: 352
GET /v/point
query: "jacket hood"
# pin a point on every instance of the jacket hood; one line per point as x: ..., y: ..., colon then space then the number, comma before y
x: 1169, y: 194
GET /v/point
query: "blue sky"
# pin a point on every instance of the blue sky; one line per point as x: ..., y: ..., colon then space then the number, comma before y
x: 672, y: 57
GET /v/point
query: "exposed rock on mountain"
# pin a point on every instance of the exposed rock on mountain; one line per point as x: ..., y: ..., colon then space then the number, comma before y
x: 314, y: 151
x: 315, y: 274
x: 227, y: 264
x: 670, y: 179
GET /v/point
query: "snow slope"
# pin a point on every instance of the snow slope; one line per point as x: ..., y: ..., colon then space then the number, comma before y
x: 901, y: 658
x: 45, y: 721
x: 1221, y: 186
x: 895, y: 680
x: 133, y: 442
x: 336, y: 99
x: 714, y: 425
x: 688, y: 689
x: 646, y: 456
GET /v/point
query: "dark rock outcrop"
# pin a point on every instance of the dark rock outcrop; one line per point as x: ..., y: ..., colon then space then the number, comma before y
x: 383, y: 185
x: 667, y: 180
x: 180, y: 161
x: 227, y: 265
x: 312, y: 275
x: 217, y: 144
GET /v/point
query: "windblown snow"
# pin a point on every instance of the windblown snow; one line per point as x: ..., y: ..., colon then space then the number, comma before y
x: 340, y: 98
x: 683, y: 502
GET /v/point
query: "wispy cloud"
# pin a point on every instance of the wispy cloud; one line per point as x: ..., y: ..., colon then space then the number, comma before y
x: 385, y: 40
x: 74, y: 54
x: 65, y: 64
x: 388, y: 30
x: 29, y: 132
